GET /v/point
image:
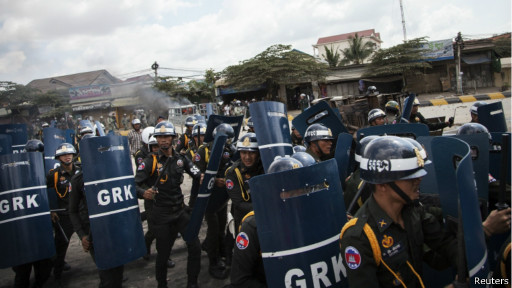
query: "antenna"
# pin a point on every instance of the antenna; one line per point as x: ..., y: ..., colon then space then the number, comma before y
x: 403, y: 20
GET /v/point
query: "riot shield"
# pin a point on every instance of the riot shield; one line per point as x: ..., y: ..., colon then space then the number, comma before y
x: 413, y: 130
x: 97, y: 124
x: 300, y: 214
x: 84, y: 123
x: 319, y: 113
x: 216, y: 120
x: 52, y: 138
x: 429, y: 183
x: 19, y: 136
x: 406, y: 112
x: 206, y: 188
x: 456, y: 184
x: 492, y: 117
x: 495, y: 156
x: 342, y: 154
x: 70, y: 136
x: 479, y: 147
x: 26, y: 233
x: 272, y: 130
x: 112, y: 201
x: 5, y: 144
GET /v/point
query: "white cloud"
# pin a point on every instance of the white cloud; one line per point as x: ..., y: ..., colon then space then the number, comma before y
x: 57, y: 37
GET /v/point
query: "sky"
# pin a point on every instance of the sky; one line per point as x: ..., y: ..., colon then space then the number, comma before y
x: 49, y: 38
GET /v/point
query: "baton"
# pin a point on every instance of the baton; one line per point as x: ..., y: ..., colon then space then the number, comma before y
x: 505, y: 141
x: 358, y: 194
x: 62, y: 231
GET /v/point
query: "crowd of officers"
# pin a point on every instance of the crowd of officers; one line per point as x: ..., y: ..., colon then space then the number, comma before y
x: 387, y: 210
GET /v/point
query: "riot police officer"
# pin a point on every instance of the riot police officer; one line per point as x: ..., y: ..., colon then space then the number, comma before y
x: 376, y: 117
x: 390, y: 216
x: 169, y: 214
x: 297, y: 139
x: 59, y: 179
x: 417, y: 117
x: 392, y: 112
x: 318, y: 141
x: 186, y: 137
x: 247, y: 267
x: 79, y: 215
x: 198, y: 133
x: 144, y: 151
x: 238, y: 175
x: 216, y: 211
x: 250, y: 125
x: 473, y: 110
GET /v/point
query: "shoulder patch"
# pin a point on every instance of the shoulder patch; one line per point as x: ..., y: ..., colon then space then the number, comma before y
x: 139, y: 160
x: 229, y: 184
x: 352, y: 257
x: 179, y: 163
x: 226, y: 155
x: 242, y: 241
x: 197, y: 158
x: 141, y: 166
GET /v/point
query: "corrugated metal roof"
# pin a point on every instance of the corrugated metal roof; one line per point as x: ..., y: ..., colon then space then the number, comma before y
x: 73, y: 80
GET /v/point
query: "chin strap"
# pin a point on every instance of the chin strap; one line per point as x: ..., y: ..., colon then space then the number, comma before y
x: 400, y: 193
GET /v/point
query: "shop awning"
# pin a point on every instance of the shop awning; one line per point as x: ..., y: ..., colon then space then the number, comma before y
x: 123, y: 102
x: 476, y: 58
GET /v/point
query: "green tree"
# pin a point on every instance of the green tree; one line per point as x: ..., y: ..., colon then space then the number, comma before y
x: 16, y: 97
x: 357, y: 51
x: 332, y: 57
x: 403, y: 59
x: 277, y: 64
x: 57, y: 100
x: 502, y: 47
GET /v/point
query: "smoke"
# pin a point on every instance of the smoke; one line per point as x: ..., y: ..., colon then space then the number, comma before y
x: 159, y: 102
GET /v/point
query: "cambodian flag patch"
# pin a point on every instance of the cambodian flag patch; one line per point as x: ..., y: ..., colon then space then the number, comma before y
x: 242, y: 241
x: 225, y: 155
x: 229, y: 184
x: 352, y: 257
x: 197, y: 158
x: 141, y: 166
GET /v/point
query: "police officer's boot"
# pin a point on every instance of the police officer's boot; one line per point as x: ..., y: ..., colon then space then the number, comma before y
x: 217, y: 269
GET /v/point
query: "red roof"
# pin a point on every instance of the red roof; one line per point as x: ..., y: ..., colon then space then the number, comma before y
x: 341, y: 37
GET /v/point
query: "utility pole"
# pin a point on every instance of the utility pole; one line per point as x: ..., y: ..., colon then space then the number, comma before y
x: 403, y: 21
x: 155, y: 67
x: 460, y: 45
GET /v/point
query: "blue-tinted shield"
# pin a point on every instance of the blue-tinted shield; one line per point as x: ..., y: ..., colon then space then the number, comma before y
x: 272, y: 130
x: 216, y: 120
x: 70, y: 136
x: 492, y: 117
x: 429, y: 182
x: 342, y: 154
x: 112, y: 201
x: 99, y: 128
x: 300, y: 214
x: 5, y: 144
x: 406, y: 112
x: 319, y: 113
x: 52, y: 138
x: 495, y: 156
x: 414, y: 130
x: 456, y: 184
x: 479, y: 147
x: 206, y: 188
x: 26, y: 233
x: 18, y: 133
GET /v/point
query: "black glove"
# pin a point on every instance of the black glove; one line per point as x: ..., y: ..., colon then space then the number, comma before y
x: 450, y: 120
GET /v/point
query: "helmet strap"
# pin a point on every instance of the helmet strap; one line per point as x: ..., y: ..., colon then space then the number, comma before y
x: 400, y: 193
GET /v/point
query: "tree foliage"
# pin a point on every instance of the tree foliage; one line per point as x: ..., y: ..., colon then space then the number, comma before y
x: 332, y: 57
x: 194, y: 90
x: 403, y: 59
x: 502, y: 46
x: 278, y: 64
x: 357, y: 51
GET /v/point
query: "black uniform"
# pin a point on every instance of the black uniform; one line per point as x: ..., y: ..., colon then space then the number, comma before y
x: 169, y: 215
x: 297, y: 140
x: 185, y: 141
x: 59, y: 179
x: 141, y: 154
x: 216, y: 211
x: 418, y: 118
x: 247, y: 268
x: 79, y: 216
x: 237, y: 185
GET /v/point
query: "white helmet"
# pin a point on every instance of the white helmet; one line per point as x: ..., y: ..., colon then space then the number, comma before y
x: 135, y: 121
x: 146, y: 134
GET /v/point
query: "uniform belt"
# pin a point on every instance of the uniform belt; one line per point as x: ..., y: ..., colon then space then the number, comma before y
x: 170, y: 207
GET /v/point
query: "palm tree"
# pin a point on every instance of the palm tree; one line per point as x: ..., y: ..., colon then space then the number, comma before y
x: 357, y: 51
x: 331, y: 57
